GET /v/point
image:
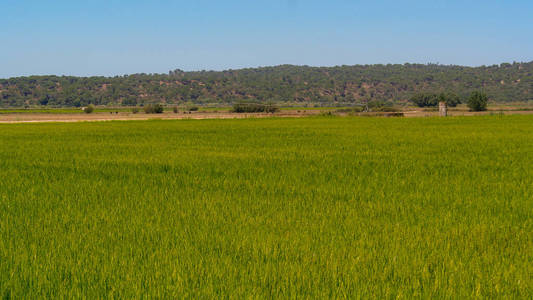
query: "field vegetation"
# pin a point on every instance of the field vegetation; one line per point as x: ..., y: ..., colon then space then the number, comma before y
x: 254, y: 107
x: 154, y: 109
x: 432, y: 100
x: 478, y: 101
x: 89, y: 109
x: 268, y: 208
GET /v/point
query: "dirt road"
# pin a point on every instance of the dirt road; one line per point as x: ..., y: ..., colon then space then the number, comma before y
x: 123, y: 116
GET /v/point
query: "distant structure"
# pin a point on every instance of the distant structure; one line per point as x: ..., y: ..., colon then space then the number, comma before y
x: 443, y: 109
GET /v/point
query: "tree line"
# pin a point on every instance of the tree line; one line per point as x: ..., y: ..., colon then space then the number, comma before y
x: 477, y: 101
x: 286, y: 84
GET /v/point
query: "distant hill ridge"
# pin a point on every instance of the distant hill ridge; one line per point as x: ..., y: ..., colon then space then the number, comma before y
x: 283, y: 84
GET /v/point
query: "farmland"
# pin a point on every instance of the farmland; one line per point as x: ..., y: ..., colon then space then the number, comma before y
x: 313, y: 207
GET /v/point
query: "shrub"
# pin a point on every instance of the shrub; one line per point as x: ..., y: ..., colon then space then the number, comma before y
x: 175, y: 109
x: 89, y: 109
x: 254, y: 107
x: 135, y: 110
x: 381, y: 106
x: 271, y: 108
x: 385, y: 109
x: 432, y: 100
x: 153, y: 109
x: 327, y: 114
x: 425, y: 100
x: 158, y: 108
x: 355, y: 109
x: 451, y: 99
x: 192, y: 108
x: 395, y: 114
x: 477, y: 101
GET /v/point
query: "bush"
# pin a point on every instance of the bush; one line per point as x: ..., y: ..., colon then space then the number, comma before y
x: 327, y: 114
x: 254, y: 107
x: 192, y: 108
x: 154, y: 109
x: 451, y: 99
x: 381, y: 106
x: 425, y: 100
x: 432, y: 100
x: 385, y: 109
x: 355, y: 109
x: 135, y: 110
x: 89, y: 109
x: 477, y: 101
x: 395, y: 114
x: 271, y: 108
x: 175, y: 109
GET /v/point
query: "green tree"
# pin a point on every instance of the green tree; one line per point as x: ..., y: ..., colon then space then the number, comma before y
x: 477, y: 101
x: 154, y: 109
x: 452, y: 99
x: 89, y: 109
x: 424, y: 100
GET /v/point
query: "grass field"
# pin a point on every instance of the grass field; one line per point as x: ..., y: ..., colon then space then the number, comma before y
x: 268, y: 208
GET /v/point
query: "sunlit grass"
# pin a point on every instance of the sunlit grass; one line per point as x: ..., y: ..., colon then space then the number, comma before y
x: 268, y: 208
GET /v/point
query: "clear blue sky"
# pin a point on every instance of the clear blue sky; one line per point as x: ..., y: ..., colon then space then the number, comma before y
x: 115, y: 37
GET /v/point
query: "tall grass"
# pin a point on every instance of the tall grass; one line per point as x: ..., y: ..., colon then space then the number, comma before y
x: 268, y: 208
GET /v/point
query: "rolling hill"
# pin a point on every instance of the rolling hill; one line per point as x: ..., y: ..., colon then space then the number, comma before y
x: 285, y: 84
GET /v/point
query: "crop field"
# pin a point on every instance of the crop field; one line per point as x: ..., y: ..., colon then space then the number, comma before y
x: 317, y: 207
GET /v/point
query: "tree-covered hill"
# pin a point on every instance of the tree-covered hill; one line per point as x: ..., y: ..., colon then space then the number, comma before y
x: 283, y: 84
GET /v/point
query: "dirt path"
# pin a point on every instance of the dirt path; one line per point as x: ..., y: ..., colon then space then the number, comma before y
x: 124, y: 116
x: 98, y: 117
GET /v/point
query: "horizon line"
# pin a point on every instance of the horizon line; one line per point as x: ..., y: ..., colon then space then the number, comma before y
x: 270, y: 66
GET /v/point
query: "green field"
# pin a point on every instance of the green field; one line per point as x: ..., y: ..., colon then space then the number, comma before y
x: 319, y: 207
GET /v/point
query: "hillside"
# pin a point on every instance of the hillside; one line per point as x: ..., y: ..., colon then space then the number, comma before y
x: 284, y: 84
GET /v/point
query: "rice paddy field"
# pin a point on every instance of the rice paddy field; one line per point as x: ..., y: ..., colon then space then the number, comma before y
x: 319, y: 207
